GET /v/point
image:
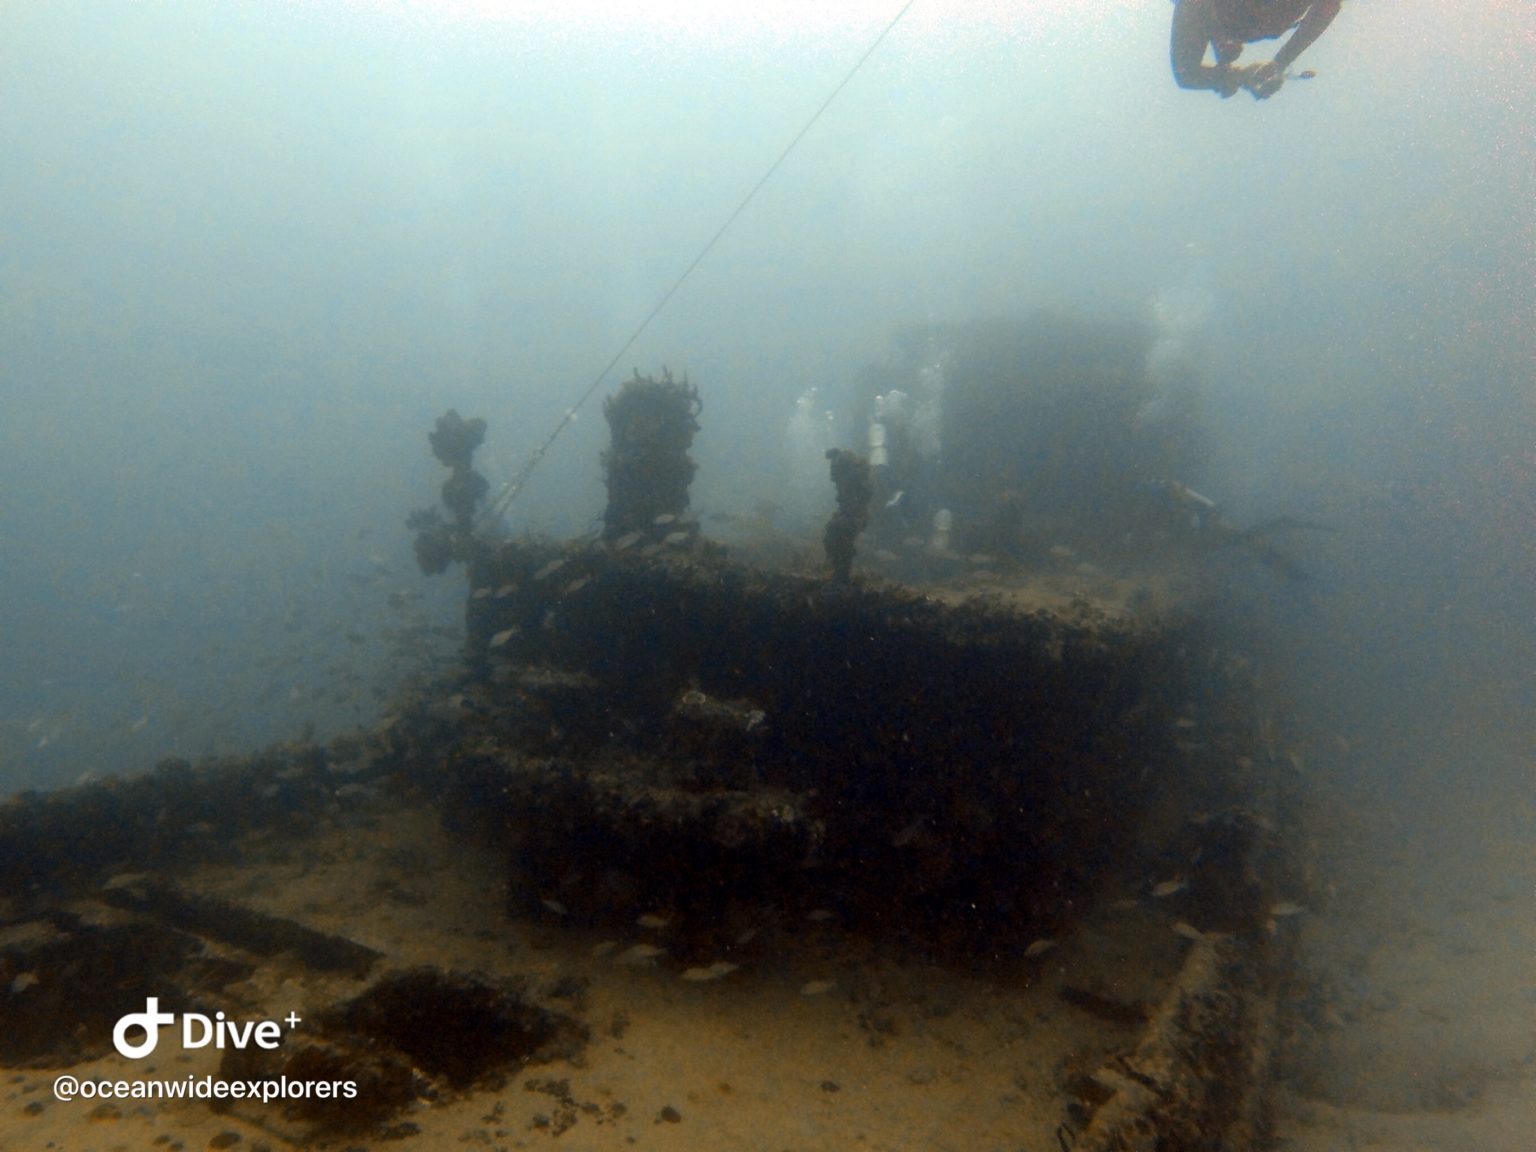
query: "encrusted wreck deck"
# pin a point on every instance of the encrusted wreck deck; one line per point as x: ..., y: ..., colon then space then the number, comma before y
x: 659, y: 724
x: 723, y: 857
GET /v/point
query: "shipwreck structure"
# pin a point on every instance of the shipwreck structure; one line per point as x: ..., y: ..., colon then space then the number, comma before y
x: 992, y: 853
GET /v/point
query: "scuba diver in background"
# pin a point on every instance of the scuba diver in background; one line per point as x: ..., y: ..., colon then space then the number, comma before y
x: 1197, y: 520
x: 1227, y: 25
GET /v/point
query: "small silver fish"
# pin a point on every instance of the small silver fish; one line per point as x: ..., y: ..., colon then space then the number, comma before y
x: 640, y: 956
x: 713, y: 972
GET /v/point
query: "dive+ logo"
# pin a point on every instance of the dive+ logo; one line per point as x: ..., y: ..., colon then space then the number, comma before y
x: 197, y: 1031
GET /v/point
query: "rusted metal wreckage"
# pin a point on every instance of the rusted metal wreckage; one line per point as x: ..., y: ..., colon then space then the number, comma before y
x: 695, y: 851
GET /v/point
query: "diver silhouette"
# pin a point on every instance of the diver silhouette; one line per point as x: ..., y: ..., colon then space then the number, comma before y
x: 1227, y: 26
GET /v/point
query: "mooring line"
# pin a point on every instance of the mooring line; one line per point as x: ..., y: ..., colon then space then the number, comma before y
x: 497, y: 507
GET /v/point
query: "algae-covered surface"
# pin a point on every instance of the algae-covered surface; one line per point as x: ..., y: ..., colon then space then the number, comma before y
x: 865, y: 866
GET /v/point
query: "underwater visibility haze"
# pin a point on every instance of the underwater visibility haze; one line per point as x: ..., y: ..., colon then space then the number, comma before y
x: 249, y: 252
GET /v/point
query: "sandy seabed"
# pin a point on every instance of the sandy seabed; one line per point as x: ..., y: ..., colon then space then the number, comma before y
x: 1419, y: 1032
